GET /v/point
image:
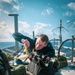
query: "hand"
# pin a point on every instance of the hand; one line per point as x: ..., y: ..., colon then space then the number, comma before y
x: 26, y: 43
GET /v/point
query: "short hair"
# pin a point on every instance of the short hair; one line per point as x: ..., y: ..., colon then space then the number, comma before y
x: 44, y: 38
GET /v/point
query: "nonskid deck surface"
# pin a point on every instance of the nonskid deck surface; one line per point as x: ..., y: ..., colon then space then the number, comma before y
x: 64, y: 71
x: 69, y: 70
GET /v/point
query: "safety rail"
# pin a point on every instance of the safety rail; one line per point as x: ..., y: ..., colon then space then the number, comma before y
x: 61, y: 45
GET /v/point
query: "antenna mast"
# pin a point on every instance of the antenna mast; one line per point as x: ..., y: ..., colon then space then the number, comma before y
x: 60, y: 30
x: 60, y: 36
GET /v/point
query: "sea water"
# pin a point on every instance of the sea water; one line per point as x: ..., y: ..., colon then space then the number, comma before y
x: 68, y: 48
x: 8, y: 44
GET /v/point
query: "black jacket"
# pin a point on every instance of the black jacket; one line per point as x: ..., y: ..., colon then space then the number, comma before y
x: 48, y: 50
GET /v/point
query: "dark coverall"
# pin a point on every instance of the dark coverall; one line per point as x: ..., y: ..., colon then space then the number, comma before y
x: 48, y: 50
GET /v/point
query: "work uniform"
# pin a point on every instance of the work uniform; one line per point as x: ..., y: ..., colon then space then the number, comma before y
x: 48, y: 50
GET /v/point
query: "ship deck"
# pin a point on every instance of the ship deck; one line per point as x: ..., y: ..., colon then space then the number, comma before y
x: 70, y: 69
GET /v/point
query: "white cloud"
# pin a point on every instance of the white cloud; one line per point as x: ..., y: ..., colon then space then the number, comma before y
x: 47, y: 11
x: 41, y: 28
x: 68, y: 13
x: 8, y: 6
x: 25, y: 28
x: 6, y: 31
x: 24, y: 24
x: 16, y: 7
x: 71, y: 6
x: 38, y: 27
x: 67, y: 21
x: 8, y: 1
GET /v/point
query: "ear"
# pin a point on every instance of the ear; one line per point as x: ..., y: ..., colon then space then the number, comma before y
x: 45, y: 44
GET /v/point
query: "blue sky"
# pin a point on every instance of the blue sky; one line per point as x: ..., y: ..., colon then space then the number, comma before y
x: 41, y: 16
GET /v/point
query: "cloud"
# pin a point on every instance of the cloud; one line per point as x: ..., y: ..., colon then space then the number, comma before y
x: 42, y: 28
x: 71, y: 6
x: 39, y: 28
x: 8, y: 6
x: 25, y: 28
x: 68, y: 13
x: 8, y: 1
x: 24, y: 24
x: 47, y: 11
x: 5, y: 31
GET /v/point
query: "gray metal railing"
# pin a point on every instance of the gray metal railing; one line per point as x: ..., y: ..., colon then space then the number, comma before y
x: 61, y: 45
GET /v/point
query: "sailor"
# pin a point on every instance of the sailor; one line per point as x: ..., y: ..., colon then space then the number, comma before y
x: 41, y: 45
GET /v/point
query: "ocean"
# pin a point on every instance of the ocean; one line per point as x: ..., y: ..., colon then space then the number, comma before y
x: 8, y: 44
x: 68, y: 44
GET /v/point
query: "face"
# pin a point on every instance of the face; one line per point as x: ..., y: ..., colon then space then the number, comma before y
x: 40, y: 44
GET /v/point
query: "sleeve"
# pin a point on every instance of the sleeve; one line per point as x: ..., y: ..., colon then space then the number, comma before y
x: 18, y: 37
x: 51, y: 51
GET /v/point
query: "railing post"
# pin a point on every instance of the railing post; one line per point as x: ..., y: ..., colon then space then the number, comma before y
x: 54, y: 43
x: 33, y: 35
x: 72, y: 47
x: 16, y: 29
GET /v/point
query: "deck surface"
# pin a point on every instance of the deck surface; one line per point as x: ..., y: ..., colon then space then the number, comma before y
x: 69, y: 70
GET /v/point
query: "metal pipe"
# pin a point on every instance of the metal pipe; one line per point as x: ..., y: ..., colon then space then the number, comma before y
x: 72, y: 47
x: 16, y: 28
x: 60, y: 37
x: 54, y: 40
x: 33, y: 35
x: 61, y: 46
